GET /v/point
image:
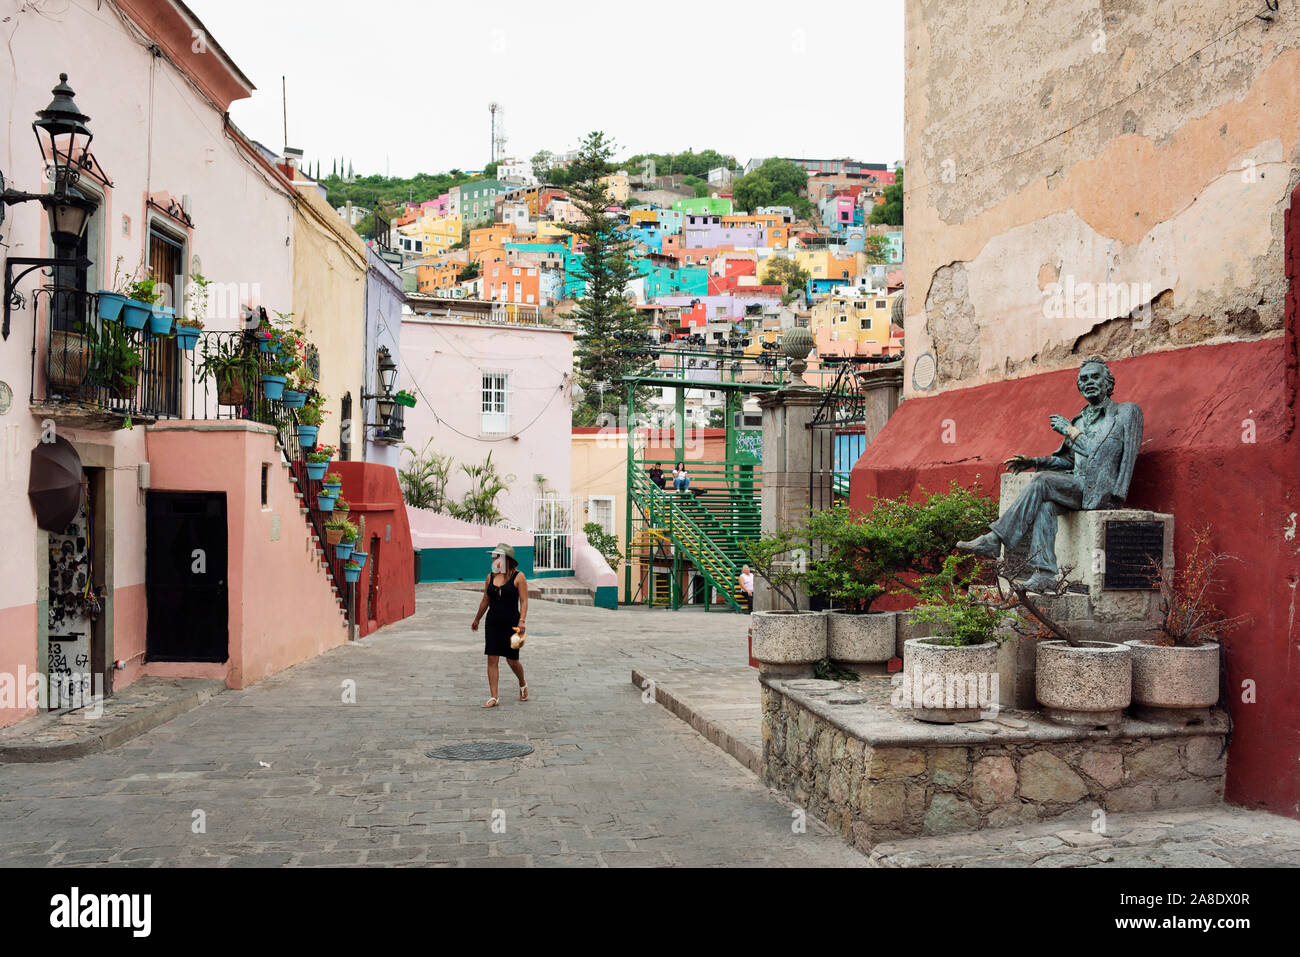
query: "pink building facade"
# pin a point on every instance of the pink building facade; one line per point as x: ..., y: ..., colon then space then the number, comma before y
x: 80, y: 603
x: 502, y: 388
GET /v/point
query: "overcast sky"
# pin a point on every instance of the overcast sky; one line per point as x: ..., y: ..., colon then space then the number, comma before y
x: 403, y: 86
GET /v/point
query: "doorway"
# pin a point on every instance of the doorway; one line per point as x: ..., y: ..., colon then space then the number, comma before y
x: 186, y: 553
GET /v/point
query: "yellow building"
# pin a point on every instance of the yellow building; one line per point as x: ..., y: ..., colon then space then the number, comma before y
x: 598, y: 479
x: 552, y: 232
x: 638, y: 216
x: 329, y: 307
x: 618, y: 186
x: 858, y: 318
x: 436, y: 234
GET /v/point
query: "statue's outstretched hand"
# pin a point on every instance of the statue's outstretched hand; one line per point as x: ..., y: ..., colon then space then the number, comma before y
x: 1060, y: 424
x: 1018, y: 463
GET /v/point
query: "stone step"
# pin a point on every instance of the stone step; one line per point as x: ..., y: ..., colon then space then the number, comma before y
x: 574, y: 600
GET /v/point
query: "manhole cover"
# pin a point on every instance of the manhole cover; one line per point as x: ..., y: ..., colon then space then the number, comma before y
x: 481, y: 751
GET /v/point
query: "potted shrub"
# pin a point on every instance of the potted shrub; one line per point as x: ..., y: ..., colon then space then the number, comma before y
x: 952, y: 677
x: 784, y: 635
x: 231, y: 365
x: 296, y: 390
x: 190, y: 325
x: 360, y: 557
x: 117, y: 362
x: 404, y: 398
x: 334, y: 529
x: 160, y: 321
x: 351, y: 572
x: 325, y: 498
x: 111, y: 301
x: 867, y: 555
x: 310, y: 417
x: 318, y: 460
x: 142, y: 296
x: 67, y: 361
x: 1176, y: 671
x: 344, y: 546
x: 275, y: 374
x: 1078, y: 683
x: 334, y: 480
x: 341, y: 504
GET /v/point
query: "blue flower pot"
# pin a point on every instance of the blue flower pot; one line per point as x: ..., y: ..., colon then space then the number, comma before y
x: 350, y: 575
x: 135, y: 314
x: 325, y: 502
x: 267, y: 345
x: 293, y: 399
x: 273, y: 386
x: 359, y: 557
x: 187, y: 337
x: 316, y: 470
x: 161, y: 319
x: 343, y: 550
x: 307, y: 436
x: 110, y: 305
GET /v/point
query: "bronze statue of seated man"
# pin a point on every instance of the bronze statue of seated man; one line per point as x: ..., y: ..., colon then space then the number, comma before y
x: 1091, y: 470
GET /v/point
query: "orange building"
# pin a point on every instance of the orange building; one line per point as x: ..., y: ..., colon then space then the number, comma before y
x: 487, y: 238
x: 503, y: 282
x: 436, y: 275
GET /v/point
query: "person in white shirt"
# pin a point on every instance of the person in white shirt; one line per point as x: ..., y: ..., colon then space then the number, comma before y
x: 747, y: 585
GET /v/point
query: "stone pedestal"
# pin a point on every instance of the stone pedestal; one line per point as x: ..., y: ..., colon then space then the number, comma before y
x: 788, y: 455
x: 1101, y: 549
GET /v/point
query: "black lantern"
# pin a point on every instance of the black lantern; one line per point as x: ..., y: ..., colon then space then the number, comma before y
x: 64, y: 141
x: 61, y: 120
x: 387, y: 371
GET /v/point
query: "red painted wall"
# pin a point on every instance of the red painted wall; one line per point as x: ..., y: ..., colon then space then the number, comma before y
x: 373, y: 491
x: 1198, y: 462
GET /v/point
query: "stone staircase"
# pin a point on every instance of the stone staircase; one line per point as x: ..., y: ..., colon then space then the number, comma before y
x: 562, y: 591
x: 315, y: 545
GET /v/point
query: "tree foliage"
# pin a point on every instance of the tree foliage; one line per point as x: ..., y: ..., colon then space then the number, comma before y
x: 424, y: 481
x: 603, y: 542
x: 891, y: 211
x: 606, y: 319
x: 788, y: 273
x: 777, y: 182
x: 688, y: 163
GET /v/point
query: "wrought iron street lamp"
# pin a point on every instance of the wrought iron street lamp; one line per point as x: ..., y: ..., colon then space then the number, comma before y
x: 69, y: 211
x: 385, y: 401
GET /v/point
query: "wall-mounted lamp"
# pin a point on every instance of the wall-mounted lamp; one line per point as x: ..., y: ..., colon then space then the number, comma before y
x: 68, y: 209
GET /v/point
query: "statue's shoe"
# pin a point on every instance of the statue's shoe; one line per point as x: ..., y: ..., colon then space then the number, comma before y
x: 987, y: 545
x: 1039, y: 581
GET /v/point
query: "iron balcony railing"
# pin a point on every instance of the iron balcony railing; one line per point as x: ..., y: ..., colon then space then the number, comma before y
x: 84, y: 362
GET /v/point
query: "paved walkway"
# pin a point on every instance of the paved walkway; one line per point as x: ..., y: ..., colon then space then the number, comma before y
x: 286, y: 772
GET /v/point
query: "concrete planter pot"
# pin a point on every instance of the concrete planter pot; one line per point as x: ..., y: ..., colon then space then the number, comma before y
x: 1088, y: 686
x: 861, y: 639
x: 947, y: 684
x: 1172, y: 683
x: 789, y: 637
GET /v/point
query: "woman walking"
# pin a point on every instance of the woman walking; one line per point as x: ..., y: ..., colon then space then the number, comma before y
x: 505, y: 600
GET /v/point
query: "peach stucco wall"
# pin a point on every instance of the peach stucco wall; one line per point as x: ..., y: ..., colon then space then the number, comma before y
x: 282, y: 610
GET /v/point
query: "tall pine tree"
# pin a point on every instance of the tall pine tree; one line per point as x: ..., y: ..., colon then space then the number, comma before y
x: 607, y: 321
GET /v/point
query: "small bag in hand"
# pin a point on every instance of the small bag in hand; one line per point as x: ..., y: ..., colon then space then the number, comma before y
x: 517, y: 639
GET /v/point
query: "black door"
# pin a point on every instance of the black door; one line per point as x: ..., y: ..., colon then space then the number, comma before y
x: 185, y: 577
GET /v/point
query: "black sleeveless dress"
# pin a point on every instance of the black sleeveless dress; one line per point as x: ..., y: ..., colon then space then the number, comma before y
x: 502, y: 616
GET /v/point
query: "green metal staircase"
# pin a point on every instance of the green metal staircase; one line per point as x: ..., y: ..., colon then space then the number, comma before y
x: 707, y: 530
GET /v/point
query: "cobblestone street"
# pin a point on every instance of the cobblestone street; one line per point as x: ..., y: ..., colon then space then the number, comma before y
x: 613, y: 780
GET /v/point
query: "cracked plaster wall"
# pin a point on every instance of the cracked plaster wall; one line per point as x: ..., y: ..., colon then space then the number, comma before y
x: 1147, y: 147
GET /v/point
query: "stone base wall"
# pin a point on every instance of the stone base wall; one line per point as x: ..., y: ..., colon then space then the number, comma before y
x: 870, y: 793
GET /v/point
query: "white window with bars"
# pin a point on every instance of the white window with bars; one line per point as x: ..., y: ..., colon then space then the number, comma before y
x: 600, y: 509
x: 495, y: 403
